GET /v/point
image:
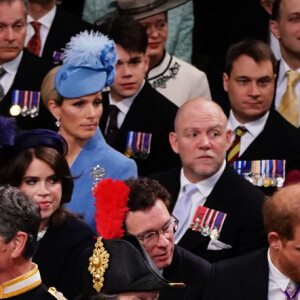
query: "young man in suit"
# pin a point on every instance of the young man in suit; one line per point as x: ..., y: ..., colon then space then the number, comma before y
x: 249, y: 80
x: 149, y: 219
x: 136, y: 118
x: 55, y: 28
x: 285, y: 27
x: 272, y: 273
x: 21, y: 71
x: 219, y: 212
x: 19, y: 223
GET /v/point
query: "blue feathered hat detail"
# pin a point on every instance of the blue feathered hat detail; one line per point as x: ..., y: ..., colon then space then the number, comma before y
x: 88, y: 65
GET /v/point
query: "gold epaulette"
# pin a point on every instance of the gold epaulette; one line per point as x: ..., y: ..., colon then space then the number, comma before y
x: 57, y: 295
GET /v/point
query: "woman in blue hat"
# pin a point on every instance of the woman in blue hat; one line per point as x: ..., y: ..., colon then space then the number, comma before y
x: 34, y: 162
x: 72, y: 93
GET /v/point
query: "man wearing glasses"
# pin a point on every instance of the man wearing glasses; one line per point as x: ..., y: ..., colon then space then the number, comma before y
x: 149, y: 219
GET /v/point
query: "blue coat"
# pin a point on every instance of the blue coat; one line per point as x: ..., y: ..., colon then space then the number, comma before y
x: 96, y: 152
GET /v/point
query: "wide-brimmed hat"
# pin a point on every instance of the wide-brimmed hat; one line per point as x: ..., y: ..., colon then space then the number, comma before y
x: 141, y: 9
x: 88, y: 65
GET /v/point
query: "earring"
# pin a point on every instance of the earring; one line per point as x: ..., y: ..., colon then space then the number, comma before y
x: 57, y: 123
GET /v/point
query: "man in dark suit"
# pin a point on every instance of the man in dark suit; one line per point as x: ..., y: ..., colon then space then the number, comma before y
x: 149, y: 219
x: 56, y: 29
x: 219, y: 212
x: 267, y: 273
x: 249, y: 80
x: 23, y: 71
x: 136, y: 118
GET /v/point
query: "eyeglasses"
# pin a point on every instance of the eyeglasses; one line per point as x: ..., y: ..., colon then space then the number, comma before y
x: 150, y: 239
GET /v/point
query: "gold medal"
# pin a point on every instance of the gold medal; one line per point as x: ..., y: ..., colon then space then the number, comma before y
x: 128, y: 152
x: 267, y: 182
x: 15, y: 110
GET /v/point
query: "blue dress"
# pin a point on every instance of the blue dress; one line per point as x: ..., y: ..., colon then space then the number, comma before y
x: 96, y: 153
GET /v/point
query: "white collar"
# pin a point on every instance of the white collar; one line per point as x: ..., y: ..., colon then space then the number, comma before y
x: 275, y: 276
x: 204, y: 186
x: 45, y: 20
x: 161, y: 68
x: 125, y: 104
x: 12, y: 66
x: 21, y: 284
x: 254, y: 127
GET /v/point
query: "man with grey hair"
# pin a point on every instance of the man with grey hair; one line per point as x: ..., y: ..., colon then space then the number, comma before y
x: 19, y: 222
x: 21, y: 72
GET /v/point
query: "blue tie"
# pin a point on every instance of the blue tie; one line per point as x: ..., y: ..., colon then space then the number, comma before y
x: 183, y: 207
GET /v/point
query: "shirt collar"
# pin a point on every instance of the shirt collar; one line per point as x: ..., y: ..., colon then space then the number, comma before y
x: 125, y: 104
x: 21, y: 284
x: 45, y: 20
x: 204, y: 186
x: 12, y: 66
x: 254, y: 127
x: 276, y: 276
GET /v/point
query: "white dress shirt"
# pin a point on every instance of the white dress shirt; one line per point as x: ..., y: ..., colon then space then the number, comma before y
x: 123, y: 107
x: 11, y: 69
x: 282, y: 85
x: 254, y: 129
x: 198, y: 199
x: 46, y: 22
x: 278, y: 282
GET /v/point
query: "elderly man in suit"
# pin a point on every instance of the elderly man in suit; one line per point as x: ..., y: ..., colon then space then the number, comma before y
x: 136, y: 118
x: 219, y: 212
x: 21, y: 72
x: 249, y: 80
x: 272, y: 273
x: 53, y: 27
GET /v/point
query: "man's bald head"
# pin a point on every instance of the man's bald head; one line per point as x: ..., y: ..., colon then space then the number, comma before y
x: 200, y: 138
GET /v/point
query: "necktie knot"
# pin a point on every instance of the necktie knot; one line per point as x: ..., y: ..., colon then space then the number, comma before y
x: 190, y: 189
x: 2, y: 72
x: 240, y: 131
x: 293, y: 77
x: 113, y: 111
x: 36, y: 25
x: 292, y: 290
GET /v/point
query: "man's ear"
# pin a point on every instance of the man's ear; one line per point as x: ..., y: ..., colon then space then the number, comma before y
x: 18, y: 244
x: 54, y: 109
x: 274, y: 240
x: 174, y: 142
x: 225, y: 82
x: 274, y: 29
x: 228, y: 138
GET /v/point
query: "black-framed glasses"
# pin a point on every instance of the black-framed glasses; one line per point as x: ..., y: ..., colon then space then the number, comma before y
x: 150, y: 239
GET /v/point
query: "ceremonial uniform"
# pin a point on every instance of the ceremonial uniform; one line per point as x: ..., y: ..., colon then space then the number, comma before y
x: 178, y: 81
x: 151, y: 113
x: 29, y: 77
x: 28, y: 286
x: 242, y: 230
x: 107, y: 163
x: 60, y: 255
x: 190, y: 269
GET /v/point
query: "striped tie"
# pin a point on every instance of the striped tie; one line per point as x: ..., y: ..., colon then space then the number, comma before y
x: 234, y: 150
x: 288, y: 107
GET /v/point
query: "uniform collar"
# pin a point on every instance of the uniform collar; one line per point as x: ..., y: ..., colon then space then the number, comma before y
x: 21, y: 284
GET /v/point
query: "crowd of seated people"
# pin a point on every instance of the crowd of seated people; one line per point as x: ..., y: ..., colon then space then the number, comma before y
x: 102, y: 117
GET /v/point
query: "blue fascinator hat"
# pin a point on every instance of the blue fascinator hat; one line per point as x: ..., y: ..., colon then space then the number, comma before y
x: 88, y: 65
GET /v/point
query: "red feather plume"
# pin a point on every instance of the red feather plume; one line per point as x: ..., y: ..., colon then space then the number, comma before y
x: 111, y: 198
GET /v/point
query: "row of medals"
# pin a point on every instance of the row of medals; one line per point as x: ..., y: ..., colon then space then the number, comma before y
x: 136, y: 153
x: 16, y: 110
x: 214, y: 234
x: 261, y: 180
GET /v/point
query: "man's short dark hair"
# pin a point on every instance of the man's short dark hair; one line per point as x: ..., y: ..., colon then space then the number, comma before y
x: 257, y: 50
x: 144, y: 192
x: 18, y: 213
x: 276, y: 10
x: 126, y: 32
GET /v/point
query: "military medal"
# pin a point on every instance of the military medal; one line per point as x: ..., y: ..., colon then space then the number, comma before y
x: 57, y: 57
x: 267, y: 182
x: 138, y: 144
x: 15, y: 110
x: 214, y: 235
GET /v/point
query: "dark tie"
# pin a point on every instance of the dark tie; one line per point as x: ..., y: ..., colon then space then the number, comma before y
x: 34, y: 44
x: 112, y: 128
x: 2, y: 72
x: 234, y: 150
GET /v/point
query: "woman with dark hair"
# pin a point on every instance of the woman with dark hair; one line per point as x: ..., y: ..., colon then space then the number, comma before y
x: 35, y: 164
